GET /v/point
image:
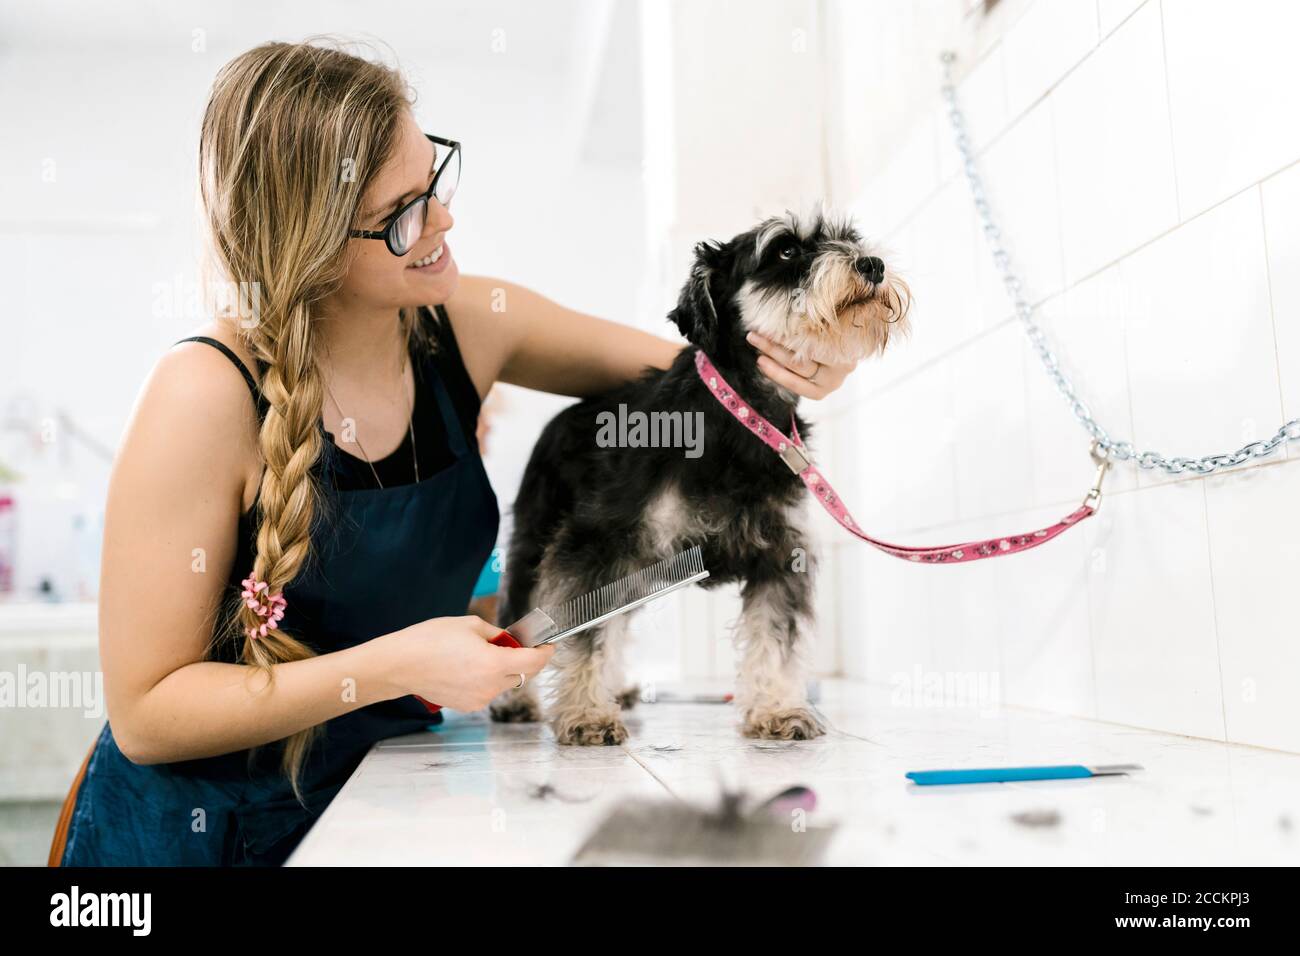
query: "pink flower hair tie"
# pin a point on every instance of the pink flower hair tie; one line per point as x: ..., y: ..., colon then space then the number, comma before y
x: 270, y: 607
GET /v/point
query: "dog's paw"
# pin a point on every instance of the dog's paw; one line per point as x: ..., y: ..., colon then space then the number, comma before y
x: 629, y: 697
x: 795, y: 723
x: 515, y: 709
x: 591, y: 730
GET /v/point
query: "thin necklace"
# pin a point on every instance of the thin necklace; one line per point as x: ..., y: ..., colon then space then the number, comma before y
x: 410, y: 426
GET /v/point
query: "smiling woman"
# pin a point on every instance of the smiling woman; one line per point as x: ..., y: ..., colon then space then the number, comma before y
x: 253, y: 692
x: 268, y: 612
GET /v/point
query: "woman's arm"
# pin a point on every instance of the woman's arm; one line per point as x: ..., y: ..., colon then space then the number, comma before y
x: 511, y: 334
x: 174, y: 501
x: 515, y: 335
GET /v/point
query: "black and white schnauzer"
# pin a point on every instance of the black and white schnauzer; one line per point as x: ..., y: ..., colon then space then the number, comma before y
x: 588, y: 514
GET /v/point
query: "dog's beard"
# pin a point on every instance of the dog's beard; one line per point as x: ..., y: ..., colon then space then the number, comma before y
x: 834, y: 317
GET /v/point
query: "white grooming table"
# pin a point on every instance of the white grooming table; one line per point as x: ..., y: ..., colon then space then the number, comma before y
x: 473, y: 792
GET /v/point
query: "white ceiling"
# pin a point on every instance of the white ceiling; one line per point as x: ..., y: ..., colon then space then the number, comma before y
x: 541, y: 35
x: 584, y: 53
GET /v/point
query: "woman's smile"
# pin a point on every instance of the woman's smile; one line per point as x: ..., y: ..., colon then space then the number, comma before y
x: 435, y: 262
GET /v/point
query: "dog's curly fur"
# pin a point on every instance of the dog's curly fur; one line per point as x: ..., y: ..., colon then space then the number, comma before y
x: 588, y: 514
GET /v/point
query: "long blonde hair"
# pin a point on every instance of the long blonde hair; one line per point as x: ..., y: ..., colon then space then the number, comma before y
x: 292, y: 136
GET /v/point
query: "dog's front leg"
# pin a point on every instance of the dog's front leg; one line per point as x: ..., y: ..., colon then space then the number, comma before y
x: 583, y: 708
x: 773, y: 643
x: 615, y: 649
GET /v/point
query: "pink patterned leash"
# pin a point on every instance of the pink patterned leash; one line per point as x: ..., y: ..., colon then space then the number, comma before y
x: 794, y: 454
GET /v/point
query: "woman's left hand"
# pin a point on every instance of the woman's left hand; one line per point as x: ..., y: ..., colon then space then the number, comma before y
x: 801, y: 376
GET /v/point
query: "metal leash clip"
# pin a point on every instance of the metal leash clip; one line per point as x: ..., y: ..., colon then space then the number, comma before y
x: 1093, y: 498
x: 795, y: 458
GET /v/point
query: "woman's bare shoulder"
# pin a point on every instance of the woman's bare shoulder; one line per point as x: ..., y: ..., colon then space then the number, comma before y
x: 196, y: 403
x: 224, y: 334
x: 479, y: 311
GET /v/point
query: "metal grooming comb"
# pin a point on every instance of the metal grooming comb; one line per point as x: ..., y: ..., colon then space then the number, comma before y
x: 542, y: 625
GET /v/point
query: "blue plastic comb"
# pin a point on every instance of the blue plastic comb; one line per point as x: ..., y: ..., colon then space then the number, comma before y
x: 928, y: 778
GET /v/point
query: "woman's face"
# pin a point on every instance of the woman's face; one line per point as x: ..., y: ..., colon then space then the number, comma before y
x: 377, y: 278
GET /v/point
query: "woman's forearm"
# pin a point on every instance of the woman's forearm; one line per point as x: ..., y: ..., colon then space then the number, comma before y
x: 583, y: 356
x: 554, y: 349
x: 650, y: 350
x: 209, y: 708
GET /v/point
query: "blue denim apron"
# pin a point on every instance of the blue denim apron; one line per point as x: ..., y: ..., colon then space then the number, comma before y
x: 383, y: 559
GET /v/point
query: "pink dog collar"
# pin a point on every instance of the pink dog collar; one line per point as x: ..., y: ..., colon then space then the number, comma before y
x: 792, y: 451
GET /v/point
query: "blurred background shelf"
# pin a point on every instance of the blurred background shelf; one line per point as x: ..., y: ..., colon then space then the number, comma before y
x: 56, y: 644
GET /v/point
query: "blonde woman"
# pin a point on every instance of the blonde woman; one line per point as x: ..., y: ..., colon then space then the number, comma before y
x: 298, y: 512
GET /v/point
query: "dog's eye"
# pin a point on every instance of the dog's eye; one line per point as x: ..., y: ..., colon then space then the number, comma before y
x: 788, y: 250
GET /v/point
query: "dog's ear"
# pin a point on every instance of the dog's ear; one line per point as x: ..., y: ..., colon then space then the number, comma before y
x: 695, y: 315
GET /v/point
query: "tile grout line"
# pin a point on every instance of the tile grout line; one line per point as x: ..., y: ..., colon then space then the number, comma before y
x: 1169, y: 111
x: 653, y: 776
x: 1064, y: 715
x: 1214, y: 608
x: 1209, y: 569
x: 1127, y: 17
x: 1272, y: 311
x: 1089, y: 603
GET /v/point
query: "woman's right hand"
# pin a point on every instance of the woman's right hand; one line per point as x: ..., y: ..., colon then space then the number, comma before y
x: 449, y: 661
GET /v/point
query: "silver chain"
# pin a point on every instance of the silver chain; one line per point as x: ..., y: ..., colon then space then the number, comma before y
x: 1103, y: 443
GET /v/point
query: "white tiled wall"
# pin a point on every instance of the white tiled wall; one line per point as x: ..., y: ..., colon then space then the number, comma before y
x: 1141, y: 159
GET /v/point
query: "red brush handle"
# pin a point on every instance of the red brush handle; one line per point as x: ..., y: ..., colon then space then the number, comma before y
x: 501, y: 640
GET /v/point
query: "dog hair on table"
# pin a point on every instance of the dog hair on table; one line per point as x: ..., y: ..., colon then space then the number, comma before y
x: 588, y: 512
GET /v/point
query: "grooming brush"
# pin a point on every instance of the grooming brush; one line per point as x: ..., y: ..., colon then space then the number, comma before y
x: 670, y: 832
x: 926, y: 778
x: 686, y: 697
x: 675, y: 695
x: 544, y: 625
x: 781, y: 805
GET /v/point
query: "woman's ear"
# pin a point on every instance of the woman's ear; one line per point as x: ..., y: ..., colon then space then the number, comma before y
x: 696, y: 316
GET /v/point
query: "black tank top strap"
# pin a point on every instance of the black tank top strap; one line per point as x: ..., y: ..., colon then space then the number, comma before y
x: 258, y: 399
x: 450, y: 419
x: 456, y: 438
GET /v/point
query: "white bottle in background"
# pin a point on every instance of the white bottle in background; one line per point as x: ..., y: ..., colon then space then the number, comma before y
x: 86, y: 537
x: 8, y: 543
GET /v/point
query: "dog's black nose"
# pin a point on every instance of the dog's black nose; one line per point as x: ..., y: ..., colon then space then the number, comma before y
x: 872, y: 268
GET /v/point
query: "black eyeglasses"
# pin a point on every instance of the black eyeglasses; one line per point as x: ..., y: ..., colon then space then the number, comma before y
x: 407, y: 224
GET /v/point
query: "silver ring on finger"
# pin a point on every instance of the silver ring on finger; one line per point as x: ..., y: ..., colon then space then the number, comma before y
x: 812, y: 379
x: 522, y: 678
